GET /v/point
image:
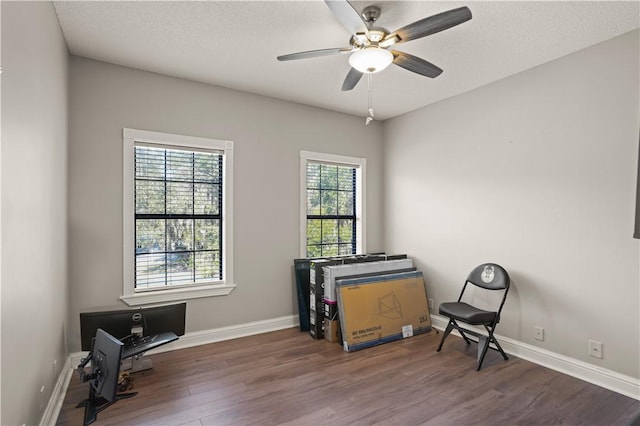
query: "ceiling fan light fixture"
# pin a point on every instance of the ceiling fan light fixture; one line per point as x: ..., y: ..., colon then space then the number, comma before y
x: 371, y: 59
x: 389, y: 40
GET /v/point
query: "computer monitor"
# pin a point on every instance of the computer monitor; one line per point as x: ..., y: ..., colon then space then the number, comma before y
x: 125, y: 322
x: 158, y: 319
x: 117, y: 323
x: 105, y: 357
x: 105, y: 365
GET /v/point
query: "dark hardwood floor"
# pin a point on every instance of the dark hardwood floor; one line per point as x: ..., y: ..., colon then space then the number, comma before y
x: 287, y: 378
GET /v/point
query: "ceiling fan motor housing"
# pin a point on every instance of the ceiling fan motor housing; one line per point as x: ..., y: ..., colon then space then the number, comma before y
x: 371, y: 14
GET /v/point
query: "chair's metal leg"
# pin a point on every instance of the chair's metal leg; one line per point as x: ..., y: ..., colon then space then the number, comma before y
x: 483, y: 345
x: 495, y: 342
x: 464, y: 336
x: 504, y: 355
x: 445, y: 334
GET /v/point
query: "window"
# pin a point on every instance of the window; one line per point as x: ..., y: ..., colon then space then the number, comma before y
x: 332, y: 200
x: 177, y: 219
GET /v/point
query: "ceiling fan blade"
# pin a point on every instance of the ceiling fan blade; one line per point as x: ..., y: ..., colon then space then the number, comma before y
x: 314, y: 53
x: 415, y: 64
x: 347, y: 16
x: 353, y: 77
x: 429, y: 25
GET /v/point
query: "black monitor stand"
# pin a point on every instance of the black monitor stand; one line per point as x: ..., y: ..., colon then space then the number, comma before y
x: 94, y: 403
x: 134, y: 348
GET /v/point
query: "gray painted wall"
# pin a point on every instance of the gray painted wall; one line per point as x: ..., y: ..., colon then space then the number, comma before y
x: 268, y: 135
x: 34, y: 208
x: 535, y: 172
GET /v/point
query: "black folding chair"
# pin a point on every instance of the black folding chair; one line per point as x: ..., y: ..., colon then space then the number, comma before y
x: 488, y: 276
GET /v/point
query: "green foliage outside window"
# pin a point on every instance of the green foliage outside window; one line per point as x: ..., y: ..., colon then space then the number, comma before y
x: 330, y: 209
x: 178, y: 222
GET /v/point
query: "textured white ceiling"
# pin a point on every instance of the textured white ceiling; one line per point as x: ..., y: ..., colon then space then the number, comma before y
x: 235, y: 43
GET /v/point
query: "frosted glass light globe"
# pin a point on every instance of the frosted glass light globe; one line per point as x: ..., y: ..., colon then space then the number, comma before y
x: 371, y: 59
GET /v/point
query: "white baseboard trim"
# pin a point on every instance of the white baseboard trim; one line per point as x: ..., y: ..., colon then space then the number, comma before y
x: 198, y: 338
x: 608, y: 379
x: 227, y: 333
x: 51, y: 412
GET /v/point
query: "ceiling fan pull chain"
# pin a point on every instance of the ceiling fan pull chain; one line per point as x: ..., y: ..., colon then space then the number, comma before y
x: 369, y: 100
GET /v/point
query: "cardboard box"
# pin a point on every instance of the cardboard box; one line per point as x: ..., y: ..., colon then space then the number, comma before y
x: 330, y: 309
x: 331, y: 330
x: 316, y: 316
x: 315, y: 302
x: 394, y: 256
x: 381, y: 309
x: 364, y: 258
x: 331, y: 273
x: 316, y: 290
x: 315, y: 287
x: 316, y: 274
x: 316, y: 325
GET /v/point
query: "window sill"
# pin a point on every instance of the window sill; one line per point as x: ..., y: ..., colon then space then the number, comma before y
x: 160, y: 296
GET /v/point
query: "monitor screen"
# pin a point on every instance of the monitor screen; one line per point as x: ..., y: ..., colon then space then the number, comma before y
x: 117, y: 323
x: 105, y: 364
x: 122, y: 323
x: 158, y: 319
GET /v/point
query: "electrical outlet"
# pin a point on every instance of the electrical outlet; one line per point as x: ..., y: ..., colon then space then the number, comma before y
x: 539, y: 333
x: 595, y: 349
x: 430, y: 303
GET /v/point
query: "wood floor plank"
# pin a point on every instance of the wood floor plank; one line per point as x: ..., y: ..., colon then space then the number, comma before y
x: 319, y: 417
x: 287, y: 378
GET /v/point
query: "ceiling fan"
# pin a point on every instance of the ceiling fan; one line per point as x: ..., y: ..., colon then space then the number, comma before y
x: 369, y: 45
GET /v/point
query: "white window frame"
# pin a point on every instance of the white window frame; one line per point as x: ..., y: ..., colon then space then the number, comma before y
x: 134, y: 297
x: 361, y: 201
